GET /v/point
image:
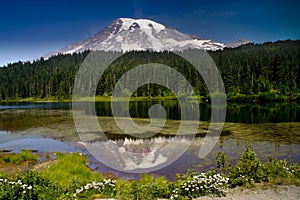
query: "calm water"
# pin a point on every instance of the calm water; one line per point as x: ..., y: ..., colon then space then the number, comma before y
x: 273, y: 130
x: 243, y: 113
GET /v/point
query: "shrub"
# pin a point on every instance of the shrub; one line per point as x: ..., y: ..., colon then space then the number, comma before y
x: 279, y: 172
x: 237, y: 97
x: 125, y: 190
x: 250, y: 170
x: 107, y: 187
x: 201, y: 184
x: 221, y: 159
x: 247, y: 171
x: 6, y: 159
x: 28, y: 186
x: 150, y: 187
x: 271, y: 96
x: 14, y: 189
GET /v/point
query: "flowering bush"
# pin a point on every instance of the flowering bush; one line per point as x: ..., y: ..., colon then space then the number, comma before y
x: 247, y: 171
x: 28, y: 186
x: 200, y: 185
x: 12, y: 189
x: 106, y: 186
x: 280, y: 172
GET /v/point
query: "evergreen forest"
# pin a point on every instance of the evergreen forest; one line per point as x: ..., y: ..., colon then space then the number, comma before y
x: 268, y: 71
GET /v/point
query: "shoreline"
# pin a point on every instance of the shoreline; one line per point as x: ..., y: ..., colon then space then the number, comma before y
x: 261, y: 98
x: 254, y: 191
x: 275, y: 179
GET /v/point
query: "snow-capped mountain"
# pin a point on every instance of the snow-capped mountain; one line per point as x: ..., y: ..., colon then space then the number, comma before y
x: 127, y: 34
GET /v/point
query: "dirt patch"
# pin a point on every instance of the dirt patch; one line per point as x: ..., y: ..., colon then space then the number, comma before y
x: 280, y: 192
x: 43, y: 165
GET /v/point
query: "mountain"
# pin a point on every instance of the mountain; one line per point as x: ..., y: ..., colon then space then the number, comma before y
x: 127, y: 34
x: 239, y: 42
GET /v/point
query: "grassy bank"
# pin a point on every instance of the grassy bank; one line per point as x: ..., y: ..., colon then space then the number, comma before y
x: 85, y: 99
x: 95, y: 98
x: 70, y: 178
x: 262, y: 97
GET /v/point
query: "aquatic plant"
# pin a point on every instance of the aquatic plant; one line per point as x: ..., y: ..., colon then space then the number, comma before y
x: 25, y: 155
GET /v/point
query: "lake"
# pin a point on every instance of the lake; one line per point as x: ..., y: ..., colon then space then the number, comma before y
x: 273, y: 130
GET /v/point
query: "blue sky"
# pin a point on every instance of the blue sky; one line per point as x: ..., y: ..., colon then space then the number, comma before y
x: 30, y: 29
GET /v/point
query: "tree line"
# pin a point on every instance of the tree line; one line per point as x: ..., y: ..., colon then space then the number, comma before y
x: 250, y: 69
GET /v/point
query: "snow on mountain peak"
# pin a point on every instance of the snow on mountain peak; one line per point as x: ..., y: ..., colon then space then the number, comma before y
x: 126, y: 34
x: 144, y: 24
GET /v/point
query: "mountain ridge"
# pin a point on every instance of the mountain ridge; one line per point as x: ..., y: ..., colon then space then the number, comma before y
x: 126, y: 34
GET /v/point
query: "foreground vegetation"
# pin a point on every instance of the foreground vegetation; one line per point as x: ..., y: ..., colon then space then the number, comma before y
x: 265, y: 72
x: 69, y: 178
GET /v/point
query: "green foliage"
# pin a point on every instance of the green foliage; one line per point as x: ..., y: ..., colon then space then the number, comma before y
x: 106, y: 187
x: 150, y: 187
x: 70, y: 172
x: 25, y: 155
x: 194, y: 184
x: 279, y: 172
x: 221, y: 159
x: 6, y: 159
x: 237, y: 97
x: 70, y: 178
x: 247, y: 171
x: 252, y: 69
x: 271, y: 96
x: 126, y: 190
x: 28, y: 186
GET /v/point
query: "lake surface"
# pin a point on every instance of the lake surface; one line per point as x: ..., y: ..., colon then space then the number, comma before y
x: 273, y: 130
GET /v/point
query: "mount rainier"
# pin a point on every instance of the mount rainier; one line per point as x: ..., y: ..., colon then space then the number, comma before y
x: 127, y: 34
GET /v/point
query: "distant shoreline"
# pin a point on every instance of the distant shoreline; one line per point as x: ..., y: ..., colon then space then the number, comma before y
x: 261, y: 98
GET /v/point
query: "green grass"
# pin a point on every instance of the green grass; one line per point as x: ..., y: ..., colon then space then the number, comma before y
x: 96, y: 99
x: 70, y: 171
x: 37, y: 99
x: 24, y: 156
x: 262, y: 97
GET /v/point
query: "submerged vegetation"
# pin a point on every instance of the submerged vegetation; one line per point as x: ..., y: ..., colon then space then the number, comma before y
x: 69, y: 178
x: 24, y: 156
x: 252, y: 72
